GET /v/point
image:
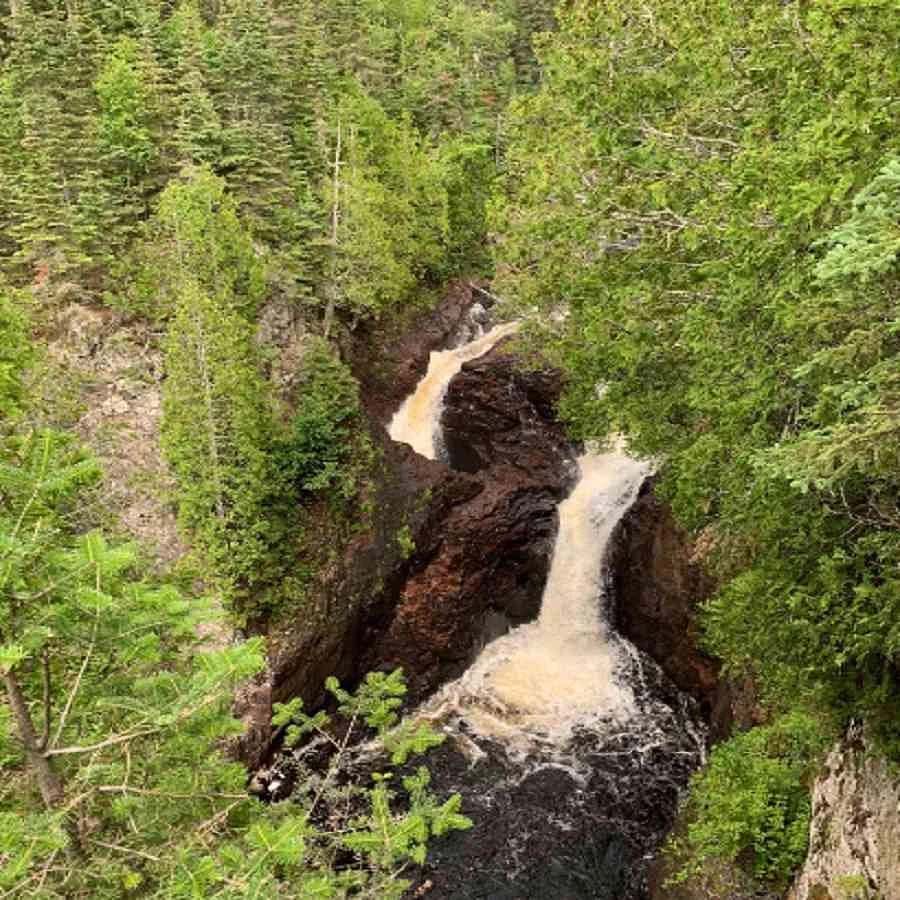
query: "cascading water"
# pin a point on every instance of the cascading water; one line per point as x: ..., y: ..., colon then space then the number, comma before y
x: 417, y: 422
x: 537, y: 684
x: 570, y: 746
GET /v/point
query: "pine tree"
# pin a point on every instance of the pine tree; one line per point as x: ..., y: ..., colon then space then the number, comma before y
x: 685, y: 215
x: 127, y: 90
x: 106, y: 716
x: 217, y: 435
x: 60, y: 205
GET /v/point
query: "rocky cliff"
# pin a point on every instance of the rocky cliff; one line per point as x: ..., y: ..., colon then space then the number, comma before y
x: 484, y: 567
x: 855, y: 831
x: 447, y: 559
x: 854, y: 839
x: 658, y: 585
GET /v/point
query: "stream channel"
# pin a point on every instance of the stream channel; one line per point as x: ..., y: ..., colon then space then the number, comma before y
x: 570, y: 747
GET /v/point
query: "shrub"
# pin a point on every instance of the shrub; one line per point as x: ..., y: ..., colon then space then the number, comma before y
x: 751, y: 804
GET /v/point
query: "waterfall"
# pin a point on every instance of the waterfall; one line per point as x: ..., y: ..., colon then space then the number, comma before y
x: 417, y: 422
x: 540, y: 682
x: 570, y: 746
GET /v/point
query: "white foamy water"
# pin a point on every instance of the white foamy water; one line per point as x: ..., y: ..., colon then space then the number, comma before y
x: 542, y: 680
x: 417, y: 422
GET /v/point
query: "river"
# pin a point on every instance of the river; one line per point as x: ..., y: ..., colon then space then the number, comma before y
x: 570, y: 747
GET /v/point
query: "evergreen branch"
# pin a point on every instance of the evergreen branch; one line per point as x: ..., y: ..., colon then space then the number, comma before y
x: 75, y: 687
x: 130, y: 736
x: 53, y: 586
x: 168, y: 795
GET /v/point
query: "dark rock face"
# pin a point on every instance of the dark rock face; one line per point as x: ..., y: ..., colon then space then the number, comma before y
x: 497, y: 412
x: 484, y: 567
x: 388, y: 366
x: 657, y: 589
x: 354, y: 600
x: 450, y: 559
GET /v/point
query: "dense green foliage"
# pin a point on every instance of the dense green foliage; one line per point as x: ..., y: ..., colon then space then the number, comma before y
x: 102, y: 108
x: 752, y: 800
x: 188, y: 166
x: 718, y: 213
x: 114, y: 783
x: 15, y: 354
x: 190, y: 163
x: 701, y: 200
x: 319, y: 445
x: 219, y: 422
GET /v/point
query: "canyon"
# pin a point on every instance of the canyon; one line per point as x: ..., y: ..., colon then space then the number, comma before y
x: 447, y: 584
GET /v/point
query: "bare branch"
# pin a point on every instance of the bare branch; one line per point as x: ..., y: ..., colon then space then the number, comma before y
x: 109, y: 742
x: 480, y: 290
x: 75, y: 687
x: 128, y: 850
x: 45, y: 678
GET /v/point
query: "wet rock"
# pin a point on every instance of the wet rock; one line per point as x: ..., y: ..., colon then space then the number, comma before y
x: 489, y: 556
x: 498, y: 412
x: 354, y: 599
x: 657, y: 587
x: 487, y: 562
x: 449, y: 558
x: 389, y: 365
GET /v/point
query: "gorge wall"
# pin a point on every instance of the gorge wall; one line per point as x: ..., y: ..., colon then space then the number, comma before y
x: 854, y: 841
x: 658, y: 586
x: 449, y: 558
x: 454, y: 555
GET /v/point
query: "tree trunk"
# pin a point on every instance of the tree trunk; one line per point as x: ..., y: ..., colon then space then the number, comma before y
x: 335, y: 225
x: 49, y: 782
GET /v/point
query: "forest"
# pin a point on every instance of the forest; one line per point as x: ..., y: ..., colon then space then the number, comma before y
x: 693, y: 206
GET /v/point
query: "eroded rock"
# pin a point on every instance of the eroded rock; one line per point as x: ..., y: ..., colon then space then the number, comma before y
x: 499, y: 412
x: 388, y: 366
x: 106, y: 379
x: 448, y: 559
x: 658, y: 586
x: 854, y: 836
